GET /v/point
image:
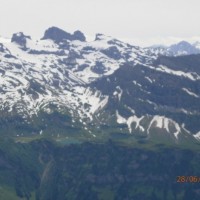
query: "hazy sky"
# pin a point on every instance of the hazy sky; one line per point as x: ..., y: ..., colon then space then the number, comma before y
x: 140, y: 21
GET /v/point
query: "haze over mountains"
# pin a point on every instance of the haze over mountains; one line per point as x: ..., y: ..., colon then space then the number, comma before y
x: 65, y: 86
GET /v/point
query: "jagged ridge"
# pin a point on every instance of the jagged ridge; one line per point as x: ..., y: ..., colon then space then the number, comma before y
x: 65, y: 70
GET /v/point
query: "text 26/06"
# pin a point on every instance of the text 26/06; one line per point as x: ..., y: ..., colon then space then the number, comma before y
x: 188, y: 179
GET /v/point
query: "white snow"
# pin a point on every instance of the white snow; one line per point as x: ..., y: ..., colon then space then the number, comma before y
x: 39, y: 45
x: 148, y: 79
x: 4, y: 40
x: 129, y: 121
x: 188, y: 75
x: 178, y: 130
x: 163, y: 122
x: 134, y: 119
x: 190, y: 93
x: 129, y: 108
x: 197, y: 135
x: 120, y: 119
x: 119, y: 92
x: 136, y: 83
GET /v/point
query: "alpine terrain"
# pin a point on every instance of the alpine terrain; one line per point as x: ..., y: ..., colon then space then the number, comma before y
x: 98, y: 120
x: 65, y: 87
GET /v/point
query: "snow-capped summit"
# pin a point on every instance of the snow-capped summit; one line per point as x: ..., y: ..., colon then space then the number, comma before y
x: 179, y: 49
x: 183, y: 48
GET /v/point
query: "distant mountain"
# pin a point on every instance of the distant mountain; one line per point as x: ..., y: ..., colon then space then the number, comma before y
x: 181, y: 48
x: 63, y: 86
x: 196, y: 45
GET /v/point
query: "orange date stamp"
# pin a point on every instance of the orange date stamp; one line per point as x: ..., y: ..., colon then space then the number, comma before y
x: 188, y: 179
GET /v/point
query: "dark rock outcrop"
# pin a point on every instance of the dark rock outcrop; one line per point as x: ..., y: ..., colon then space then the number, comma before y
x: 20, y: 38
x: 78, y: 35
x: 99, y: 36
x: 58, y: 35
x: 1, y: 48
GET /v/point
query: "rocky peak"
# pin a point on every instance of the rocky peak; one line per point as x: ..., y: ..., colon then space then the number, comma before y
x: 78, y: 35
x: 100, y: 36
x: 184, y: 48
x: 58, y: 35
x: 20, y: 38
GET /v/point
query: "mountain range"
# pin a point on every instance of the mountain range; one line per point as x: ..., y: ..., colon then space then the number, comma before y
x: 67, y: 88
x: 179, y: 49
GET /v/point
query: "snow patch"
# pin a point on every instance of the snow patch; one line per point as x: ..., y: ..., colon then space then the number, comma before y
x: 191, y: 76
x: 129, y: 121
x: 120, y: 119
x: 190, y: 93
x: 119, y: 92
x: 148, y: 79
x: 163, y: 122
x: 136, y: 120
x: 197, y: 135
